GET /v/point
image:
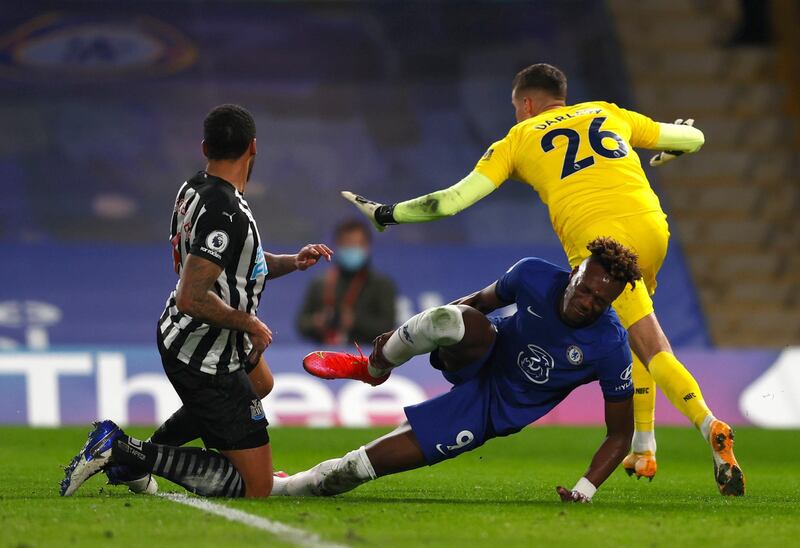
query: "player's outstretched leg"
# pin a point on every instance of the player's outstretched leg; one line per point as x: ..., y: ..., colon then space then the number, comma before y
x: 330, y: 477
x: 684, y: 393
x: 398, y: 451
x: 421, y: 334
x: 642, y: 459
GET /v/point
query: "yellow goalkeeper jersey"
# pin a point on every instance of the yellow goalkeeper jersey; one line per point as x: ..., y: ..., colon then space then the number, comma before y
x: 580, y: 159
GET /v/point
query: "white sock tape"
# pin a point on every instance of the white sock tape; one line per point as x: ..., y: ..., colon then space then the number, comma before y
x: 585, y: 488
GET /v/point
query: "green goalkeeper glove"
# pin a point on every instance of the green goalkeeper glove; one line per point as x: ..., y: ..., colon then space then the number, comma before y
x: 668, y: 155
x: 370, y: 209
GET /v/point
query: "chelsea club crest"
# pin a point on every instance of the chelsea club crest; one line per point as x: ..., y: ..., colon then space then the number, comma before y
x: 574, y: 355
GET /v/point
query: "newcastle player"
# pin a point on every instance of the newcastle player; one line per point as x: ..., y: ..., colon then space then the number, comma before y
x: 209, y: 337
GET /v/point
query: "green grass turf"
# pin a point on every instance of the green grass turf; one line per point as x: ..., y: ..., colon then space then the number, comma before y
x: 501, y: 494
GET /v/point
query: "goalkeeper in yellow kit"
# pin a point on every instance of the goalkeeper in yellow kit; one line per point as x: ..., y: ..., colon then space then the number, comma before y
x: 580, y: 159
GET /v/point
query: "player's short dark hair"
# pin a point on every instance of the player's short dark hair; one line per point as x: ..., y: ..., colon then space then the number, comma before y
x: 228, y: 131
x: 349, y: 225
x: 619, y: 261
x: 544, y: 77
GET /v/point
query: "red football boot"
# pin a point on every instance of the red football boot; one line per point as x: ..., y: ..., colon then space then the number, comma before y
x: 341, y: 365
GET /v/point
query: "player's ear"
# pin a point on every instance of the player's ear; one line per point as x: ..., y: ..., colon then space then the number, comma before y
x: 253, y: 147
x: 205, y: 148
x: 528, y: 106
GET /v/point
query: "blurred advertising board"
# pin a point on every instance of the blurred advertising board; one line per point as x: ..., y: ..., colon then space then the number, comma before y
x: 76, y: 385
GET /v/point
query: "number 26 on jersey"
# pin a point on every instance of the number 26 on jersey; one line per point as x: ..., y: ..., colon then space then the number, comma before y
x: 596, y: 135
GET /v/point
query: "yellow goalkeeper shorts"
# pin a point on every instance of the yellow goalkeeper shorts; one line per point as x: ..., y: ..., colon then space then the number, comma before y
x: 646, y: 235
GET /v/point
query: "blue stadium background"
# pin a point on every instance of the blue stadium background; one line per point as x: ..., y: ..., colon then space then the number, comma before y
x: 388, y: 99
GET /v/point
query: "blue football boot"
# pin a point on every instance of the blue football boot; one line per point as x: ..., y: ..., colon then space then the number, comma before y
x: 91, y: 459
x: 122, y: 474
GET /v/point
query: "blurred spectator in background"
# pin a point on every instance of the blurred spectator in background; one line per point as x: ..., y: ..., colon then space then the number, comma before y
x: 350, y: 302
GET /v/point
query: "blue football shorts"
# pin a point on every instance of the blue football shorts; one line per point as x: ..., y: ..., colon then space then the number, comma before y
x: 459, y: 420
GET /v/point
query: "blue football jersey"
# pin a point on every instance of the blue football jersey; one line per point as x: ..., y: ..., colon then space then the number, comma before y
x: 538, y: 359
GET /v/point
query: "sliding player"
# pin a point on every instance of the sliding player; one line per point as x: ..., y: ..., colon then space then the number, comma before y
x: 580, y: 159
x: 506, y: 372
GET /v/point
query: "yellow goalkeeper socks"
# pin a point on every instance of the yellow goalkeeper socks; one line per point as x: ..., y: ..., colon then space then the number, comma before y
x: 679, y: 386
x: 644, y: 397
x: 644, y: 408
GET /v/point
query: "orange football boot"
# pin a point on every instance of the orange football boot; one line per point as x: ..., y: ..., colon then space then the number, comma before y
x: 727, y: 473
x: 642, y: 464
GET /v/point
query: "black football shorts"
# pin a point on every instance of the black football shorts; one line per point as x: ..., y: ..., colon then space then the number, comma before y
x: 228, y: 412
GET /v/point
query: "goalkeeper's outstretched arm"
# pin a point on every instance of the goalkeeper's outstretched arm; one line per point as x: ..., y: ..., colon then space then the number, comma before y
x: 682, y: 136
x: 430, y: 207
x: 676, y: 139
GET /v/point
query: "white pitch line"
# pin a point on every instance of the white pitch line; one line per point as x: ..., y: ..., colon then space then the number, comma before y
x: 281, y: 530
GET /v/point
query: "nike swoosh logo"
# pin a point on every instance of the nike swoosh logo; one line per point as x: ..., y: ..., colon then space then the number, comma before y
x: 439, y: 448
x: 530, y: 310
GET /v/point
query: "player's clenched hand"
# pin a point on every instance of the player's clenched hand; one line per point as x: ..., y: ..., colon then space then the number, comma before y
x: 260, y: 336
x: 571, y: 496
x: 365, y: 206
x: 310, y: 254
x: 668, y: 155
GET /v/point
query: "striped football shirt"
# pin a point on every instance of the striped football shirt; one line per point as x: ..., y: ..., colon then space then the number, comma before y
x: 212, y: 220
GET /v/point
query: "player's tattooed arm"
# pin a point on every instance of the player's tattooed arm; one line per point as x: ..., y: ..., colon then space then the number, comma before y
x: 308, y: 256
x: 195, y: 297
x: 485, y: 300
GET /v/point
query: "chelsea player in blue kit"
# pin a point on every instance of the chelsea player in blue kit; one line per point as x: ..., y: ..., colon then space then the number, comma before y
x: 506, y: 373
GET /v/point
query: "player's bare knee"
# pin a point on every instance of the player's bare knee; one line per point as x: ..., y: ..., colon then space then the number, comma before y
x: 258, y: 487
x: 477, y: 327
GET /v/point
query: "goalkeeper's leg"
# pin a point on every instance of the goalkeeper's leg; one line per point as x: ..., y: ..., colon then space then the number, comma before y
x: 642, y: 459
x: 649, y: 343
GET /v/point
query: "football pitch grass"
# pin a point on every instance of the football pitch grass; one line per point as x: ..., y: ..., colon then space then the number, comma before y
x: 501, y: 494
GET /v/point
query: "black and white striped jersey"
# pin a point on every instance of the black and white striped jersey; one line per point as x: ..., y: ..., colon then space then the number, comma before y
x: 212, y: 220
